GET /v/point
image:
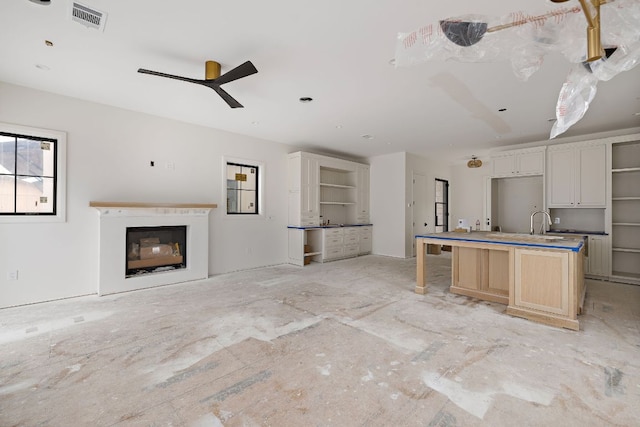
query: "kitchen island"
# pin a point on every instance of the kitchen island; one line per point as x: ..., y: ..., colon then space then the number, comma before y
x: 538, y: 277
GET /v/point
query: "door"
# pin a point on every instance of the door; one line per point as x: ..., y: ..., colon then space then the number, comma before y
x: 442, y: 205
x: 420, y: 207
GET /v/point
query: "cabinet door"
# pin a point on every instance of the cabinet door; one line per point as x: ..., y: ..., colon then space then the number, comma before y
x: 362, y: 201
x: 504, y: 165
x: 467, y: 268
x: 591, y: 177
x: 530, y: 163
x: 598, y: 255
x: 561, y: 178
x: 542, y: 281
x: 365, y: 242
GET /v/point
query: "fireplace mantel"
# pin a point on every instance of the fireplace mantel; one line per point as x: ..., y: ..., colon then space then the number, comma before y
x: 145, y: 205
x: 151, y: 209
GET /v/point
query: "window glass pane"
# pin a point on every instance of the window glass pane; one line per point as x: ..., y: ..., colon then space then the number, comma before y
x: 7, y: 154
x: 7, y: 194
x: 250, y: 176
x: 34, y: 195
x: 247, y: 198
x: 35, y: 158
x: 232, y: 170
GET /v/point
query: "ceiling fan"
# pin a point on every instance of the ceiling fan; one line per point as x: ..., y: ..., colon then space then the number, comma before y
x: 213, y: 79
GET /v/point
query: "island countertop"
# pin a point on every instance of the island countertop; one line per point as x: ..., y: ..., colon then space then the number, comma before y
x: 512, y: 239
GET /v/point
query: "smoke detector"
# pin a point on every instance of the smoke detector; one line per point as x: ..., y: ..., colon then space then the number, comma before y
x: 87, y: 16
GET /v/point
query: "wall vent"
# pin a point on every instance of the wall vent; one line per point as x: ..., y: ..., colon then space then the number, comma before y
x: 88, y: 17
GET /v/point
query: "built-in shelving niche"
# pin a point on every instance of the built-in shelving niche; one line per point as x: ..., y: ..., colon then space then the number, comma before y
x: 625, y: 213
x: 338, y: 194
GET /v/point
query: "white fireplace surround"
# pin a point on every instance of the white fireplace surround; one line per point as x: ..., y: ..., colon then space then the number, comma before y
x: 116, y: 217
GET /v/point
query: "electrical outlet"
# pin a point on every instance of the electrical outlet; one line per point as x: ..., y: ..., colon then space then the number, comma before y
x: 12, y: 275
x: 556, y: 220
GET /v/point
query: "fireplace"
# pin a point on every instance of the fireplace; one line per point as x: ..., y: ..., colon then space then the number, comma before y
x: 143, y: 245
x: 155, y: 249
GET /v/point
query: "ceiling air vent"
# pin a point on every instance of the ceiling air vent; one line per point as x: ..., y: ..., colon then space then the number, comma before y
x: 88, y: 17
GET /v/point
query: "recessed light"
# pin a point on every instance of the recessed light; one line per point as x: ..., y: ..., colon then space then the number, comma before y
x: 48, y: 43
x: 392, y: 61
x: 552, y: 120
x: 42, y: 67
x: 502, y: 109
x: 255, y: 123
x: 338, y: 126
x: 367, y: 136
x: 306, y: 99
x: 42, y: 2
x: 636, y: 114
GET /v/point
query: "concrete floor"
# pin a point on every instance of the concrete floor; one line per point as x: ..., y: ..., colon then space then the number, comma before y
x: 346, y: 343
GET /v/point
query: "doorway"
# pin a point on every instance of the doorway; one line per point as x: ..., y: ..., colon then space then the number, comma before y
x: 420, y: 208
x: 442, y: 205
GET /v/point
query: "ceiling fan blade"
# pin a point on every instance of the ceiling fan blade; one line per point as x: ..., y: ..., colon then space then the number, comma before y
x: 227, y: 98
x: 169, y: 76
x: 242, y: 70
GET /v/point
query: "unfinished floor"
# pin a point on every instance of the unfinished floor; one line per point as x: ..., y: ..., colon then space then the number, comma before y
x: 346, y: 343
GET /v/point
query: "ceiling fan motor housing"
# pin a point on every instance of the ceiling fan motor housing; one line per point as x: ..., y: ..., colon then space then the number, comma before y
x: 212, y: 70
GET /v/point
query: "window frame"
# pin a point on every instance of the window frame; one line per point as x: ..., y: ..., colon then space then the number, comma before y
x: 60, y: 174
x: 259, y: 185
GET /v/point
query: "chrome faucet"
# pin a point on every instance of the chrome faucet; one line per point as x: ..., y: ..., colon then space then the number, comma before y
x: 542, y: 225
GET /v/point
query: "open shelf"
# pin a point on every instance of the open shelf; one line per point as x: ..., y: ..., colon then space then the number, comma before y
x: 323, y: 184
x: 628, y: 250
x: 622, y: 170
x: 626, y: 274
x: 337, y: 203
x: 626, y: 224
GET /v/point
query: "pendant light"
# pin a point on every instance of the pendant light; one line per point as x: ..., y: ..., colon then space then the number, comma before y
x: 474, y: 162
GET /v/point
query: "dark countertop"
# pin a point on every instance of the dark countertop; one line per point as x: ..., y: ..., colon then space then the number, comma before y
x: 306, y: 227
x: 570, y: 231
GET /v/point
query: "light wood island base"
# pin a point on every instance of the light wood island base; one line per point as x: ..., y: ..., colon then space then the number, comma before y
x: 540, y: 282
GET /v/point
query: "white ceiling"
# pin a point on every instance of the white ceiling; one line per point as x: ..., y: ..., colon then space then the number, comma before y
x: 337, y: 52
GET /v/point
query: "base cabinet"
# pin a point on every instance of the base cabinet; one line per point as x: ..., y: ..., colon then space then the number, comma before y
x: 599, y: 249
x: 365, y: 245
x: 318, y: 244
x: 338, y: 243
x: 548, y: 287
x: 481, y: 273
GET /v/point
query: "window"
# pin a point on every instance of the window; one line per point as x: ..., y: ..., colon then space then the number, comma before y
x: 442, y: 205
x: 31, y: 182
x: 242, y: 189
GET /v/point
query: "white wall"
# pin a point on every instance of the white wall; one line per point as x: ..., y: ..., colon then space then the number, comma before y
x: 467, y: 193
x: 388, y: 214
x: 108, y: 155
x: 392, y: 196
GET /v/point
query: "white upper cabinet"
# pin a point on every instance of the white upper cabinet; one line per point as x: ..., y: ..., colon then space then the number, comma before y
x: 362, y: 199
x: 304, y: 194
x: 576, y: 176
x: 518, y: 162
